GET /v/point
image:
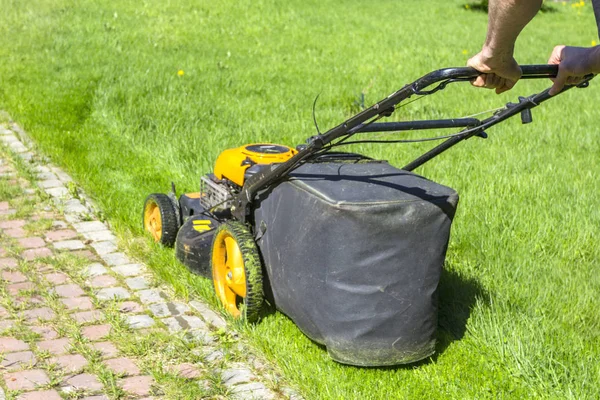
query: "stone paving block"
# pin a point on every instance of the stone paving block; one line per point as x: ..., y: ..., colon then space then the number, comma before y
x: 31, y: 242
x: 116, y: 259
x: 17, y: 147
x: 69, y: 290
x: 57, y: 278
x: 150, y: 296
x: 104, y: 247
x: 99, y: 397
x: 10, y: 345
x: 106, y: 349
x: 16, y: 233
x: 103, y: 281
x: 130, y: 307
x: 41, y: 314
x: 252, y: 391
x: 184, y: 322
x: 26, y: 380
x: 139, y: 321
x: 168, y: 309
x: 78, y: 303
x: 7, y: 324
x: 122, y: 366
x: 137, y: 283
x: 8, y: 212
x: 99, y: 236
x: 15, y: 288
x: 28, y: 301
x: 62, y: 175
x: 138, y: 385
x: 55, y: 346
x: 215, y: 356
x: 95, y: 332
x: 63, y: 234
x: 112, y: 293
x: 70, y: 363
x: 32, y: 254
x: 40, y: 395
x: 88, y: 316
x: 188, y: 371
x: 69, y: 245
x: 13, y: 276
x: 236, y: 376
x: 9, y: 138
x: 74, y: 206
x: 46, y: 176
x: 74, y: 218
x: 8, y: 262
x: 83, y: 382
x: 95, y: 269
x: 41, y: 168
x: 89, y: 226
x: 50, y: 183
x: 3, y: 312
x: 87, y: 254
x: 27, y: 156
x: 58, y: 192
x: 46, y: 332
x: 58, y: 224
x: 129, y: 269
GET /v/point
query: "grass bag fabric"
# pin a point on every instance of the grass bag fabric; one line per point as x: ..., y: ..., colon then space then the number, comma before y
x: 354, y: 254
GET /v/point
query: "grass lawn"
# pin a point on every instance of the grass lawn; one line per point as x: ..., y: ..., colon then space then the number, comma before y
x: 97, y: 84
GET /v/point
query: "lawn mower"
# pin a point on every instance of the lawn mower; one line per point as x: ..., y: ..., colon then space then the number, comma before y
x: 350, y: 248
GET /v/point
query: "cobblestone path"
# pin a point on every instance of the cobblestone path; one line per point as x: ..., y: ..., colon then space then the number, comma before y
x: 80, y: 320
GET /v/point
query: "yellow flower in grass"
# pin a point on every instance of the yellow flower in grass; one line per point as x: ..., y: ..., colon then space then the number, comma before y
x: 180, y: 72
x: 465, y: 52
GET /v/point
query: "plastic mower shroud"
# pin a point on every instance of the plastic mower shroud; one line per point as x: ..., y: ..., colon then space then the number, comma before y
x: 350, y: 248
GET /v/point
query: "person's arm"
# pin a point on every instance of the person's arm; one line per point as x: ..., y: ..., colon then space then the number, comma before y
x: 596, y: 7
x: 506, y: 20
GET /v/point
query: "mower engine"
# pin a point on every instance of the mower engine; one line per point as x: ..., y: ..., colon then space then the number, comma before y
x: 201, y: 213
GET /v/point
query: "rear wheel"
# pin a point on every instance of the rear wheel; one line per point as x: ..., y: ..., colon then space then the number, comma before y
x: 237, y: 271
x: 160, y: 219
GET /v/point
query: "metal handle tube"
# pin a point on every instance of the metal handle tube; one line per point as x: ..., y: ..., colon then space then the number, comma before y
x: 511, y: 110
x: 263, y: 179
x: 416, y: 125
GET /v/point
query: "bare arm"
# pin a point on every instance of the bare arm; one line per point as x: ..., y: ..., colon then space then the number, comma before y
x: 506, y: 20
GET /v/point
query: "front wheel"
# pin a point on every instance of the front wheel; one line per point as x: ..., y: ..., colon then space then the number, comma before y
x: 237, y: 271
x: 160, y: 219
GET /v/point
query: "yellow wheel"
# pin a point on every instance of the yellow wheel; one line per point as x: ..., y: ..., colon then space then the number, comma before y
x: 237, y: 271
x: 160, y: 219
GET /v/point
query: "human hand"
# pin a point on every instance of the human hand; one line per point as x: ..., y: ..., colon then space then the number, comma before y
x: 500, y: 72
x: 573, y: 64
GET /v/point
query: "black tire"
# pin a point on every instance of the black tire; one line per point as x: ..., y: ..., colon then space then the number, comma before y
x: 248, y: 306
x: 160, y: 219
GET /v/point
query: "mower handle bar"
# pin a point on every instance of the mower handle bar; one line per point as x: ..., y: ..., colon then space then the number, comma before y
x: 267, y: 176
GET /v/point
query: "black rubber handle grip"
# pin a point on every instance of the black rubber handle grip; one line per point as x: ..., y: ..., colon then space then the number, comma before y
x: 466, y: 73
x: 529, y: 71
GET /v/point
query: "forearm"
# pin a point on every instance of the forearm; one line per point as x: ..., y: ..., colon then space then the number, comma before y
x: 506, y: 20
x: 596, y: 5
